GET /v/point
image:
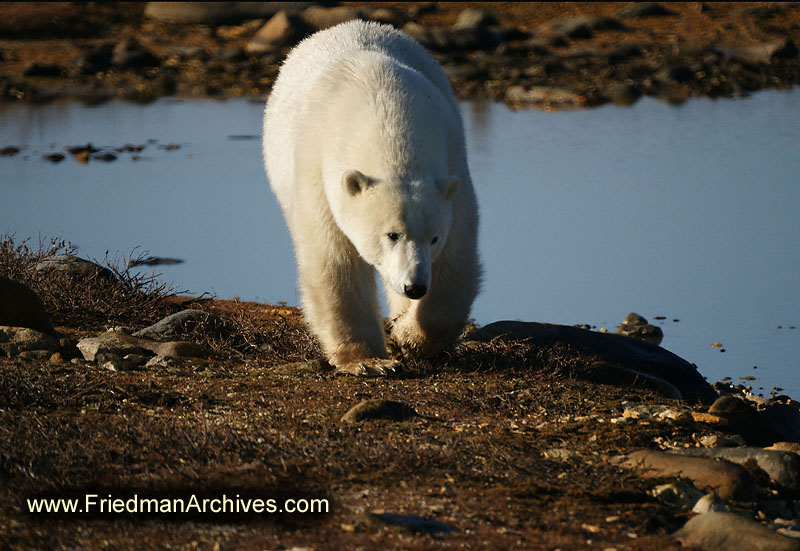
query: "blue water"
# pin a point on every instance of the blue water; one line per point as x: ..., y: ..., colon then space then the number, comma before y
x: 684, y: 212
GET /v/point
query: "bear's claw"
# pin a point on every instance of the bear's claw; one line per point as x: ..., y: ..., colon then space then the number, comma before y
x: 371, y: 367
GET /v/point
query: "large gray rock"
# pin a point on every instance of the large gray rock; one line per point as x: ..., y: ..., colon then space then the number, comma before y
x: 729, y: 481
x: 619, y: 360
x: 173, y: 325
x: 782, y: 467
x: 217, y: 13
x: 74, y: 267
x: 16, y: 340
x: 20, y: 306
x: 715, y: 531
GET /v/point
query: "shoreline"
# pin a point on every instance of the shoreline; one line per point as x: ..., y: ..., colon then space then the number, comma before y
x: 541, y: 55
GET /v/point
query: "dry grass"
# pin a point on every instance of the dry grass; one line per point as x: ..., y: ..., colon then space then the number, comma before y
x: 88, y: 302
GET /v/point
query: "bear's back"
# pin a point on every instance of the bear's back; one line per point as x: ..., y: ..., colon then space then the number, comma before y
x: 305, y: 78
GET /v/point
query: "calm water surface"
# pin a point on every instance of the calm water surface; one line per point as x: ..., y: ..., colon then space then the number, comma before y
x: 687, y: 212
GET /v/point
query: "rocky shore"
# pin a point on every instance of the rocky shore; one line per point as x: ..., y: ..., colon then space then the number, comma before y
x: 521, y: 436
x: 545, y: 55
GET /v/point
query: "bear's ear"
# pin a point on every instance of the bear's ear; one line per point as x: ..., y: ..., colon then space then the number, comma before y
x: 450, y: 188
x: 355, y: 182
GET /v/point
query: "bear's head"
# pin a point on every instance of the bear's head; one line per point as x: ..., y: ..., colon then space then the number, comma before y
x: 399, y: 227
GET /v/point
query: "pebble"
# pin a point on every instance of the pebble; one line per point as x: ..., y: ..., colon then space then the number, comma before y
x: 121, y: 345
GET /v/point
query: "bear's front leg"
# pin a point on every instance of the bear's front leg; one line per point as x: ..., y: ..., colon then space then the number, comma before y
x: 340, y: 305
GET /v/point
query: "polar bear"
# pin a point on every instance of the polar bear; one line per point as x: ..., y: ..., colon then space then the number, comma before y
x: 364, y: 149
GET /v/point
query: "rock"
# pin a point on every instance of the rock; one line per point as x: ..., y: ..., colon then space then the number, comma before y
x: 415, y: 524
x: 644, y: 9
x: 716, y: 531
x: 15, y: 340
x: 105, y: 157
x: 74, y: 266
x: 33, y: 355
x: 729, y: 481
x: 622, y: 93
x: 581, y: 26
x: 36, y: 69
x: 473, y: 18
x: 757, y: 428
x: 9, y: 151
x: 93, y: 61
x: 20, y: 306
x: 122, y: 345
x: 173, y: 325
x: 302, y: 368
x: 283, y: 29
x: 447, y: 39
x: 321, y: 17
x: 379, y: 409
x: 560, y: 454
x: 130, y: 55
x: 619, y: 360
x: 546, y: 95
x: 792, y: 447
x: 709, y: 502
x: 679, y: 495
x: 637, y: 327
x: 389, y: 16
x: 782, y: 467
x: 53, y: 157
x: 765, y: 52
x: 217, y: 13
x: 719, y: 441
x: 676, y: 73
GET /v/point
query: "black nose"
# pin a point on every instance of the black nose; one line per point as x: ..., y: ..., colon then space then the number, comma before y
x: 415, y: 291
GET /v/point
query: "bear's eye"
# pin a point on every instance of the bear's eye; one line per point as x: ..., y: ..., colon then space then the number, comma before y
x: 393, y: 236
x: 434, y: 240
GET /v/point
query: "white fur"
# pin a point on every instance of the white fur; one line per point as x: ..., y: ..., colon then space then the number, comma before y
x: 363, y: 139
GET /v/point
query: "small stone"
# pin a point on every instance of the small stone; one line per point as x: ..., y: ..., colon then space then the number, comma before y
x: 9, y: 151
x: 54, y: 157
x: 128, y: 54
x: 680, y: 495
x: 379, y: 409
x: 16, y: 340
x: 709, y: 502
x: 321, y: 17
x: 473, y: 18
x: 36, y: 69
x: 732, y: 532
x: 282, y: 29
x: 415, y: 524
x: 622, y: 94
x: 644, y: 9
